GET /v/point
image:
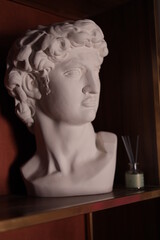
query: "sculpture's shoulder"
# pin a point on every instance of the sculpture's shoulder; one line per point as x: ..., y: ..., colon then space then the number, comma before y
x: 108, y: 137
x: 107, y: 140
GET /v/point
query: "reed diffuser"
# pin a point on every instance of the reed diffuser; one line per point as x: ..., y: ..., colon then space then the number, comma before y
x: 134, y: 178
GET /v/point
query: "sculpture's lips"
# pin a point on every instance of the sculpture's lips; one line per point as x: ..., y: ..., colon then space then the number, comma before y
x: 90, y: 102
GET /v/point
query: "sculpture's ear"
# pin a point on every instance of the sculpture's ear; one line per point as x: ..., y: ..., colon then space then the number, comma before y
x: 44, y: 82
x: 31, y: 87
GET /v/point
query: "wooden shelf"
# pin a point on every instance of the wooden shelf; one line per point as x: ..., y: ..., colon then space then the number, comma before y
x: 21, y: 211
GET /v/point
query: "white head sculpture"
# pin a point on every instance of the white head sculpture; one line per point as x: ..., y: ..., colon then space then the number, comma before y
x: 53, y: 74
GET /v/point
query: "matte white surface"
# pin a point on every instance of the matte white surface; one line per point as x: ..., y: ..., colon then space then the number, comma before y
x: 54, y: 78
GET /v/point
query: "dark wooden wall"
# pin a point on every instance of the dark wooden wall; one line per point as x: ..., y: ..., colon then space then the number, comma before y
x: 67, y: 229
x: 130, y: 106
x: 127, y: 106
x: 127, y: 102
x: 138, y: 221
x: 127, y: 95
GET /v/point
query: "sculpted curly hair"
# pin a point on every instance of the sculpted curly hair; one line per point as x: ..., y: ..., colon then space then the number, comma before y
x: 34, y: 55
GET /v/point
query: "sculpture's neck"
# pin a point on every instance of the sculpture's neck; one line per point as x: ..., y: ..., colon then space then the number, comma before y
x: 61, y: 145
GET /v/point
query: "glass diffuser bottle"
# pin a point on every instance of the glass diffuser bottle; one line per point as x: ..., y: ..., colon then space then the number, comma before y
x: 134, y: 178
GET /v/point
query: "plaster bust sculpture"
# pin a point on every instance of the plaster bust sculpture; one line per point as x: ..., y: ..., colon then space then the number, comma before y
x: 53, y: 74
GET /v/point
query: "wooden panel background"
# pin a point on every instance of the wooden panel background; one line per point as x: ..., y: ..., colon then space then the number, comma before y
x: 127, y: 102
x: 135, y: 221
x: 67, y: 229
x: 127, y: 106
x: 127, y: 96
x: 131, y: 97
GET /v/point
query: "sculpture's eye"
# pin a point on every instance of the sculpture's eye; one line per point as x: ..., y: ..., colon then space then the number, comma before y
x: 75, y: 73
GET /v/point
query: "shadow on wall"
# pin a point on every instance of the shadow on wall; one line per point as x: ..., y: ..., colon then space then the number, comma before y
x: 24, y: 140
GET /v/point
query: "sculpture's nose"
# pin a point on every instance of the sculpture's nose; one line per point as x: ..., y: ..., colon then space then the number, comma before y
x: 92, y: 84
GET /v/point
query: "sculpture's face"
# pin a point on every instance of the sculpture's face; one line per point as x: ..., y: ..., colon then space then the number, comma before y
x: 75, y: 88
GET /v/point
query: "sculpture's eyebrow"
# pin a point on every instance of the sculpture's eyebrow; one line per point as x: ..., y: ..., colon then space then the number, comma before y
x: 74, y: 62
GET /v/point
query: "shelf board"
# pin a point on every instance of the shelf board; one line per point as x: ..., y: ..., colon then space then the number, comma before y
x: 22, y: 211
